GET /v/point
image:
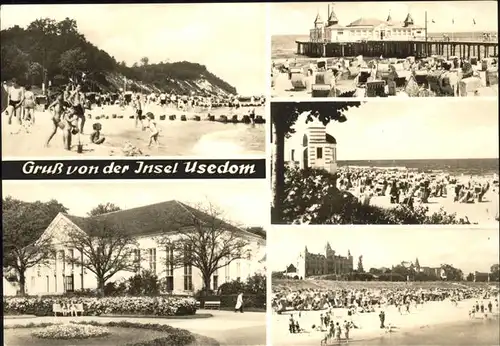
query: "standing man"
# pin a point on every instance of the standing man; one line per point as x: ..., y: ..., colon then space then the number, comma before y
x: 239, y: 303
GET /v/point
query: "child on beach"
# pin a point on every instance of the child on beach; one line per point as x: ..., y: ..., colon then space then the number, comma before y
x: 95, y: 137
x: 153, y: 137
x: 58, y: 109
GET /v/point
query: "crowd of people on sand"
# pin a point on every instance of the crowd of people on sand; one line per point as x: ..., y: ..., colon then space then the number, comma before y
x: 68, y: 109
x: 340, y: 308
x: 446, y: 73
x: 406, y: 186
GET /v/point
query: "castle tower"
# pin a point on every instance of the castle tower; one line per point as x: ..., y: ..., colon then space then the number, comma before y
x: 332, y: 17
x: 408, y: 21
x: 417, y: 265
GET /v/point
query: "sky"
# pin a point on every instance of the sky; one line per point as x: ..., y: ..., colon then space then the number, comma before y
x: 298, y: 18
x: 240, y: 203
x: 414, y: 129
x: 227, y: 38
x: 466, y: 249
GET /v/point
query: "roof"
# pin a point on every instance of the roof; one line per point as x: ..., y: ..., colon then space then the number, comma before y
x: 318, y: 19
x: 409, y: 19
x: 150, y: 219
x: 332, y: 17
x: 330, y: 139
x: 366, y: 22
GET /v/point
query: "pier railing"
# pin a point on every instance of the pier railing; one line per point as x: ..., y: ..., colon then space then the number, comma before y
x: 399, y: 49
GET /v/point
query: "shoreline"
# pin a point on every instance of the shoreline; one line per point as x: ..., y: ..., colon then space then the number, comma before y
x: 437, y: 315
x: 177, y: 138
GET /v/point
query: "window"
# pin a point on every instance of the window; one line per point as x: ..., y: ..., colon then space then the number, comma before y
x: 188, y: 270
x: 169, y: 259
x: 69, y: 283
x: 152, y: 260
x: 238, y: 269
x: 38, y: 271
x: 227, y: 273
x: 292, y: 155
x: 33, y: 283
x: 216, y: 282
x: 72, y: 256
x: 137, y: 260
x: 62, y: 257
x: 47, y: 284
x: 319, y: 153
x: 81, y: 282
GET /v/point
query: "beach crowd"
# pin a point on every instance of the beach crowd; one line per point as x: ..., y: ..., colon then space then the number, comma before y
x: 339, y: 309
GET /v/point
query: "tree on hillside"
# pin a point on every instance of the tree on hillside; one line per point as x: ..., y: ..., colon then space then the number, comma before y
x: 72, y: 62
x: 360, y: 265
x: 284, y: 115
x: 23, y: 224
x: 104, y: 209
x: 208, y: 244
x: 144, y: 61
x: 106, y: 248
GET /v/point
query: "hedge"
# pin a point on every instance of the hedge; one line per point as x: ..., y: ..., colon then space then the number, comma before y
x: 159, y: 306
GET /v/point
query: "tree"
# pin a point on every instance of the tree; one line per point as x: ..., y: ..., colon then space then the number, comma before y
x: 452, y: 273
x: 105, y: 249
x: 104, y: 209
x: 375, y: 271
x: 494, y: 272
x: 73, y: 61
x: 470, y: 277
x: 23, y: 225
x: 360, y: 265
x: 144, y: 61
x: 284, y: 115
x: 204, y: 240
x: 261, y: 232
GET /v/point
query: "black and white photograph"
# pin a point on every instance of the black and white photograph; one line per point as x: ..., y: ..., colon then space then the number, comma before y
x: 377, y: 162
x: 134, y: 263
x: 392, y: 287
x: 384, y: 49
x: 133, y: 80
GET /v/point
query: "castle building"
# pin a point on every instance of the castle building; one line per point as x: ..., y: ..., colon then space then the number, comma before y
x: 313, y: 149
x: 145, y: 223
x: 329, y: 262
x: 365, y: 29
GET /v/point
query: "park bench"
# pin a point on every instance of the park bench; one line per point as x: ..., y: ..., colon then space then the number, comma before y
x: 58, y: 309
x: 79, y: 309
x: 212, y: 305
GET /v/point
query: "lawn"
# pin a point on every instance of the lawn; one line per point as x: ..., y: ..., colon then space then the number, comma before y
x: 118, y: 337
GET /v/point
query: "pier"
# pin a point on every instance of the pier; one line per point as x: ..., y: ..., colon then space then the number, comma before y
x: 398, y: 49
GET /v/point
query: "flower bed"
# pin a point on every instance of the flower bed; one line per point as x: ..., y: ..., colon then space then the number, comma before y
x: 157, y: 306
x: 70, y: 331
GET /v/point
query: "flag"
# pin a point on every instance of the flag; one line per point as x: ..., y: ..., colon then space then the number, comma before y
x: 453, y: 21
x: 433, y: 21
x: 473, y: 21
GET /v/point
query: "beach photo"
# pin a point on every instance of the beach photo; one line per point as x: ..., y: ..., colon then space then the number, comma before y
x: 378, y: 162
x: 181, y: 263
x: 391, y: 287
x: 152, y: 80
x: 384, y: 49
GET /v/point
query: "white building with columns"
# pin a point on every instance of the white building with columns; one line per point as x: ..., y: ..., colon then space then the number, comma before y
x: 365, y: 29
x: 312, y: 148
x: 146, y: 223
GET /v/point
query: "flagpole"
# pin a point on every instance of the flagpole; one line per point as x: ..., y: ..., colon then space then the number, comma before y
x: 426, y: 33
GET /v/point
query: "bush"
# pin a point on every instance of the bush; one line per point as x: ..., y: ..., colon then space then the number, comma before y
x: 312, y: 197
x: 254, y: 292
x: 145, y: 283
x: 249, y: 301
x: 158, y: 306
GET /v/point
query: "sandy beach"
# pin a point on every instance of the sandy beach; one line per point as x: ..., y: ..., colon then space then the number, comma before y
x: 189, y: 138
x: 432, y: 314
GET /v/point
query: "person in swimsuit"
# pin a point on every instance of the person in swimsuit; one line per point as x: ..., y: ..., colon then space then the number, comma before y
x: 29, y: 105
x: 163, y: 99
x: 138, y: 111
x: 58, y: 109
x: 77, y: 100
x: 15, y: 101
x: 153, y: 137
